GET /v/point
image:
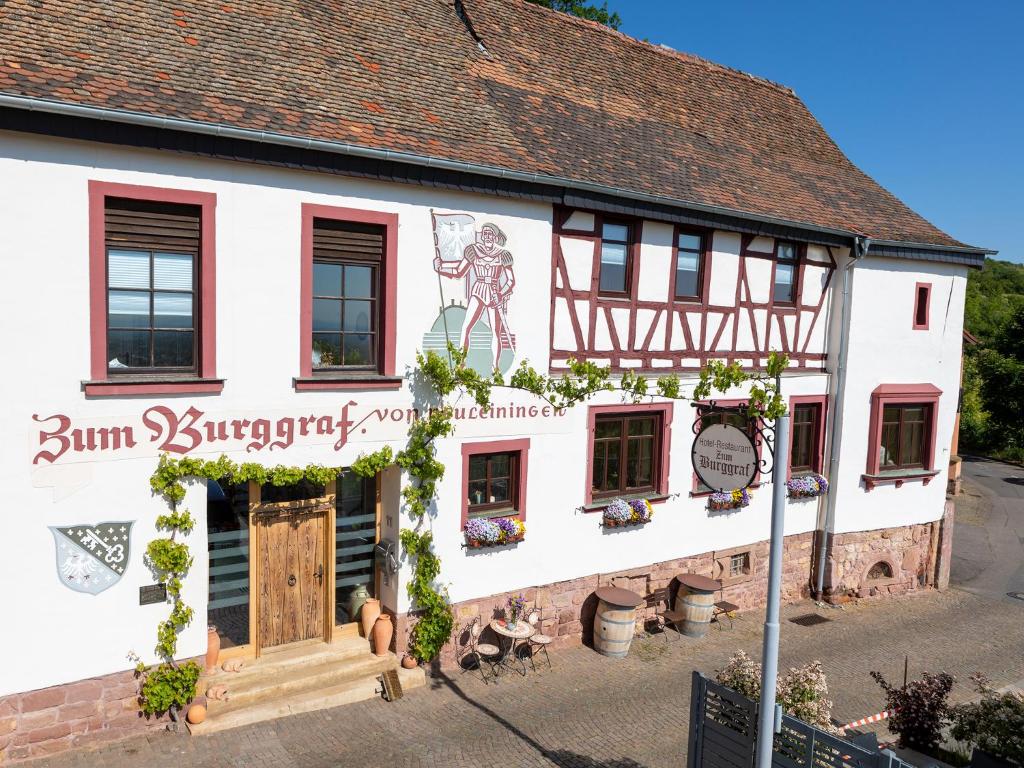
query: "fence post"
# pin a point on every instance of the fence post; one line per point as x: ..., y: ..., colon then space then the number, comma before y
x: 697, y: 694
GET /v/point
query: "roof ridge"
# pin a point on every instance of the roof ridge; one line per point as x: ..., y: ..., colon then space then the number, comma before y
x: 659, y: 48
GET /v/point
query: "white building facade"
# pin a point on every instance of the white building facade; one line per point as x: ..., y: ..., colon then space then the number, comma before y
x: 196, y: 305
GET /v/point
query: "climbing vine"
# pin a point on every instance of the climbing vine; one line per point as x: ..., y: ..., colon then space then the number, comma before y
x: 446, y: 375
x: 172, y: 685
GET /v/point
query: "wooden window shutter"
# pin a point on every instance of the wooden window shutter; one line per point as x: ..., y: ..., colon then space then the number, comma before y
x: 347, y: 241
x: 152, y: 226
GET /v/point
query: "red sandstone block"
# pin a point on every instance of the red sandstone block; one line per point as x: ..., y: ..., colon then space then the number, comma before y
x: 87, y: 690
x: 50, y: 747
x: 78, y: 711
x: 126, y: 690
x: 37, y: 719
x: 47, y: 697
x: 8, y: 725
x: 17, y: 753
x: 9, y: 705
x: 46, y: 733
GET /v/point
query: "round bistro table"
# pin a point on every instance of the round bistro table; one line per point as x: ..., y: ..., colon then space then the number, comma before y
x: 615, y: 620
x: 696, y: 598
x: 523, y: 630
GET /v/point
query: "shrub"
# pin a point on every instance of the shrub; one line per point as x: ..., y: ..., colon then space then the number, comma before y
x: 995, y: 724
x: 918, y: 710
x: 802, y: 691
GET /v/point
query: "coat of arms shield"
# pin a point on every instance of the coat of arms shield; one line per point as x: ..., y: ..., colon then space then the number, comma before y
x: 92, y: 558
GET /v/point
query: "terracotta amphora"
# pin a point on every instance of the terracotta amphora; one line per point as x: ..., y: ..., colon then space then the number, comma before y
x: 383, y: 629
x: 368, y: 615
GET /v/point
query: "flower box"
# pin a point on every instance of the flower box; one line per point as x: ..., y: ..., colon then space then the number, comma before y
x: 623, y: 514
x: 807, y: 486
x: 494, y: 532
x: 735, y: 499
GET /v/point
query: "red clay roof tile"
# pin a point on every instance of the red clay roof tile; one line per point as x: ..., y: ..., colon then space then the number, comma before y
x: 549, y: 94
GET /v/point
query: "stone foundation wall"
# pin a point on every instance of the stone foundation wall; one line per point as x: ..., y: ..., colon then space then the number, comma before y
x: 889, y: 561
x: 567, y: 608
x: 69, y: 716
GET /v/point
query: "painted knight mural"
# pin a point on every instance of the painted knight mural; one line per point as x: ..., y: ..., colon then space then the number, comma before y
x: 479, y: 257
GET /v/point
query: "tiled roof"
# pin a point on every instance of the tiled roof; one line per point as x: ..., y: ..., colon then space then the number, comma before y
x: 548, y: 94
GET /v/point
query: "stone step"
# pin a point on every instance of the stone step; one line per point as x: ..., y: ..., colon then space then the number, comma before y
x: 235, y: 714
x: 289, y: 658
x: 275, y: 683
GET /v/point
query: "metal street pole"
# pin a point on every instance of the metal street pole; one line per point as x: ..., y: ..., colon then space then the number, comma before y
x: 770, y: 651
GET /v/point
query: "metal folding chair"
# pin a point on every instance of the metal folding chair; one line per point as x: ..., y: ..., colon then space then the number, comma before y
x: 538, y: 641
x: 484, y: 652
x: 660, y: 601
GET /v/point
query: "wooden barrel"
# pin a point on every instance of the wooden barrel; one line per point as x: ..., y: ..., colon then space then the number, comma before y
x: 613, y: 629
x: 697, y: 606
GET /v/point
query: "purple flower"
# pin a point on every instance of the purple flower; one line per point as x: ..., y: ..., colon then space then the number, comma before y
x: 507, y: 527
x: 618, y: 510
x: 483, y: 530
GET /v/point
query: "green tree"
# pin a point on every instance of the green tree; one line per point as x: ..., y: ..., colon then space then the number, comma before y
x: 589, y: 11
x: 994, y: 293
x: 1001, y: 368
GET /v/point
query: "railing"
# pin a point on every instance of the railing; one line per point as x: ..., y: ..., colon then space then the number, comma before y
x: 723, y: 734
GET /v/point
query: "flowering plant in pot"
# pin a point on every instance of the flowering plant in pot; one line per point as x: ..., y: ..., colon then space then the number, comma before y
x: 633, y: 512
x: 807, y: 486
x: 512, y: 529
x: 734, y: 499
x: 483, y: 532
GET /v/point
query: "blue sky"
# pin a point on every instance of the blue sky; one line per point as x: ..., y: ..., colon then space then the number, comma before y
x: 926, y: 97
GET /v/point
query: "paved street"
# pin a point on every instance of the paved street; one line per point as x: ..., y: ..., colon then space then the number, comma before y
x: 988, y: 544
x: 596, y: 712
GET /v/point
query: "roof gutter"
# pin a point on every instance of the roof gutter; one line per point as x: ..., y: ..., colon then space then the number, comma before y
x: 49, y: 106
x: 860, y: 249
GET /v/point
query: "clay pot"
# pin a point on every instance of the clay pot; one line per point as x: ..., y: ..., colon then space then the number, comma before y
x: 212, y: 649
x: 408, y: 662
x: 368, y: 615
x: 197, y: 711
x: 383, y: 629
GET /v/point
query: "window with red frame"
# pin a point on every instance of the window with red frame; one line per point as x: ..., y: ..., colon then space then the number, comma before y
x: 492, y: 486
x: 627, y: 454
x: 346, y: 295
x: 784, y: 288
x: 616, y: 258
x: 804, y: 431
x: 689, y: 258
x: 904, y: 436
x: 152, y: 275
x: 921, y: 300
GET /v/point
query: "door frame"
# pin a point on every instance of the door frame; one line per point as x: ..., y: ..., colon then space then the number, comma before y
x: 331, y: 632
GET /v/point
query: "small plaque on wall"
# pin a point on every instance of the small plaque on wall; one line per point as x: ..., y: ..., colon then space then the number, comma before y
x: 152, y: 593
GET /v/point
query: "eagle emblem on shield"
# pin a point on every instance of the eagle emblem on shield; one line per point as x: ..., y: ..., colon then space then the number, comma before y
x: 92, y: 558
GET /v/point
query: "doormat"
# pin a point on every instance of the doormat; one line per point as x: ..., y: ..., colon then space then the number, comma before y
x: 391, y: 686
x: 810, y: 619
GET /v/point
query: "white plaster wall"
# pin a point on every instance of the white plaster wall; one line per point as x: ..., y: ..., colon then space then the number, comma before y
x: 562, y: 542
x: 884, y: 349
x: 60, y: 635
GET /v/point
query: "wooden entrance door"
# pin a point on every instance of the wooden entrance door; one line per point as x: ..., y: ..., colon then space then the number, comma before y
x: 291, y: 563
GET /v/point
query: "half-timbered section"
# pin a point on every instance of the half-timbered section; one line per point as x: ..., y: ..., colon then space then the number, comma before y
x: 645, y: 295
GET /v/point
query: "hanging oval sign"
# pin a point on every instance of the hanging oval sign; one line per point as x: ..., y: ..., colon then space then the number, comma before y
x: 724, y: 457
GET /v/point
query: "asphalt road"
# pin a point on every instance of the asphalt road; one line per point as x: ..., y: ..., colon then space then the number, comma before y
x: 988, y: 543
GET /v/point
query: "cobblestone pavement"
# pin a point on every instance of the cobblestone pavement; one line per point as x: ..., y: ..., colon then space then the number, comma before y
x: 595, y: 712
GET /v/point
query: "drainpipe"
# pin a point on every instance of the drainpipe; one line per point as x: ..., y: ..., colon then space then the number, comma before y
x: 859, y: 250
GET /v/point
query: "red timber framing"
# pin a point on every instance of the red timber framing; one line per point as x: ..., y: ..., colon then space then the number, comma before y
x: 674, y: 333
